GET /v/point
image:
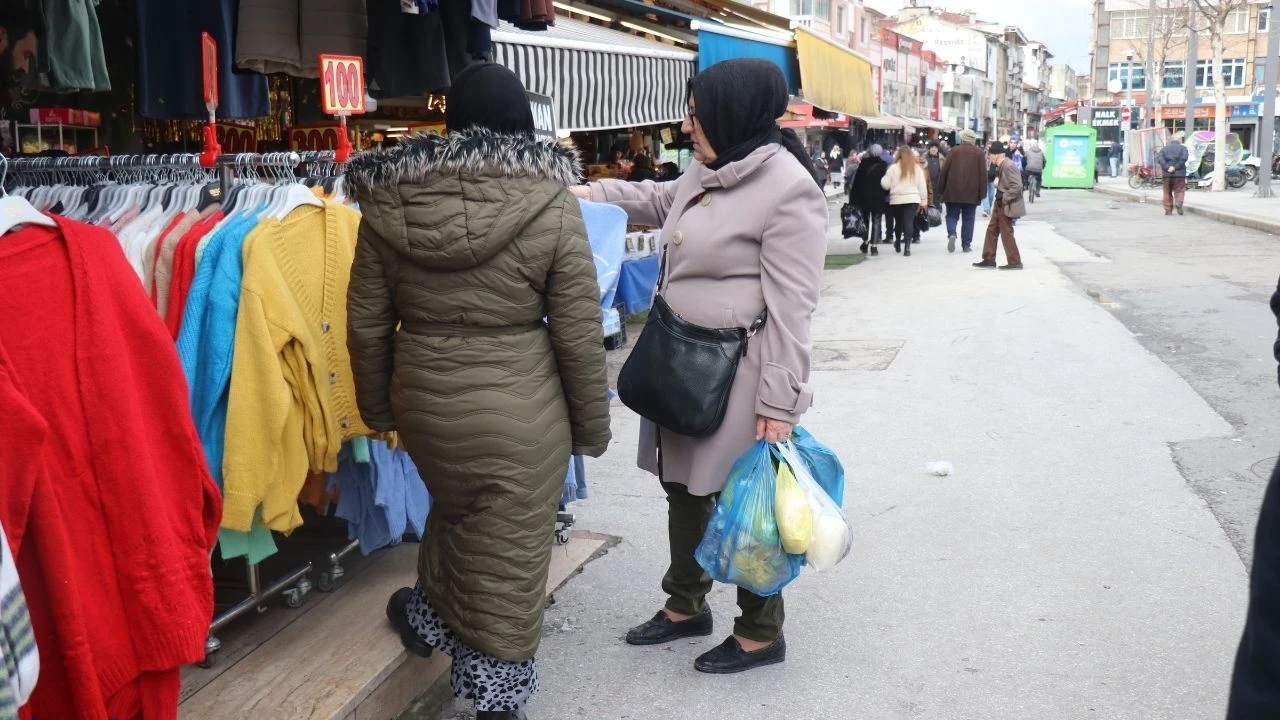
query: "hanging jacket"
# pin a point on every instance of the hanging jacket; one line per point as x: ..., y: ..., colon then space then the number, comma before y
x: 467, y: 244
x: 291, y: 402
x: 115, y: 558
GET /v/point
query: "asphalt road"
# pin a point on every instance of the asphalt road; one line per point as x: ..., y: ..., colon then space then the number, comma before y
x: 1194, y: 292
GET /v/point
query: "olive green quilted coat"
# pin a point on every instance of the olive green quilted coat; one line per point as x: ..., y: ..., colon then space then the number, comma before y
x: 466, y: 244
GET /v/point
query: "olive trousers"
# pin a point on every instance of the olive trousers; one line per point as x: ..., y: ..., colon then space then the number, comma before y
x: 687, y: 584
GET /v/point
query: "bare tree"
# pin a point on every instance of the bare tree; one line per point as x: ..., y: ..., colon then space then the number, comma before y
x: 1216, y: 13
x: 1166, y: 40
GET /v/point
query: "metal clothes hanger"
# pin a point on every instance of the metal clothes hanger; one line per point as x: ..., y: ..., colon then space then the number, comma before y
x: 16, y: 210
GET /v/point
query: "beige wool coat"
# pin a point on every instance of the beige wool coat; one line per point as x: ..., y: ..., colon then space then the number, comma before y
x: 750, y: 235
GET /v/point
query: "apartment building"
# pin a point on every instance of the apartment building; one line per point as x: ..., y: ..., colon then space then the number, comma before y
x: 1143, y: 53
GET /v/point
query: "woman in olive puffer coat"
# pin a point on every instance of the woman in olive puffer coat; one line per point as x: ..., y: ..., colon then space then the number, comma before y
x: 475, y: 332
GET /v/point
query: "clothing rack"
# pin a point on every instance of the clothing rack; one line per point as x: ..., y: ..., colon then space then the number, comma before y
x: 229, y: 169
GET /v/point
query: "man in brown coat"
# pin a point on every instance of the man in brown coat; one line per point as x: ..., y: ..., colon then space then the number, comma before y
x: 1007, y: 208
x: 962, y: 184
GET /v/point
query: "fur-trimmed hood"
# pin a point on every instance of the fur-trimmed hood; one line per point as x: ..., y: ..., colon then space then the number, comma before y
x: 451, y: 203
x: 471, y: 152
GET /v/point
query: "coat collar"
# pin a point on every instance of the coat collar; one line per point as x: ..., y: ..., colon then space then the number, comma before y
x: 471, y: 152
x: 735, y: 172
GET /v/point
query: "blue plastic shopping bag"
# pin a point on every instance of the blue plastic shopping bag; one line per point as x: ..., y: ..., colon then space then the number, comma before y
x: 822, y: 462
x: 741, y: 545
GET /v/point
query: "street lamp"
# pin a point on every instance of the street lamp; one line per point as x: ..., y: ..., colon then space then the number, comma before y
x: 1128, y: 103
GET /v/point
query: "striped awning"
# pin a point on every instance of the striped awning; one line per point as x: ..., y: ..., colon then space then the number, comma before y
x: 600, y: 79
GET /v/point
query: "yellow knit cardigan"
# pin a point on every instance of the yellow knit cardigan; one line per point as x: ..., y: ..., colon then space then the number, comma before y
x: 292, y: 397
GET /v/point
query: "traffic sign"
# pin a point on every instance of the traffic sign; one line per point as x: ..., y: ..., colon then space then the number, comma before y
x: 342, y: 84
x: 1125, y: 114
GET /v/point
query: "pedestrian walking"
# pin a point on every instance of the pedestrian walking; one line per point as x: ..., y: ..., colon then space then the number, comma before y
x: 746, y: 222
x: 468, y: 242
x: 1034, y: 165
x: 907, y: 183
x: 1173, y: 162
x: 1114, y: 156
x: 835, y: 167
x: 962, y: 185
x: 866, y: 194
x: 1008, y: 207
x: 1255, y: 683
x: 933, y: 161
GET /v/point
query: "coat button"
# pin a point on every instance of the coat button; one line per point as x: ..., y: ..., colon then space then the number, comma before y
x: 344, y: 423
x: 706, y: 199
x: 677, y: 237
x: 333, y: 377
x: 324, y: 326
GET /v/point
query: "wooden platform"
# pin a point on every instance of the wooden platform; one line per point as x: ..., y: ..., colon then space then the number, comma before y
x: 335, y: 658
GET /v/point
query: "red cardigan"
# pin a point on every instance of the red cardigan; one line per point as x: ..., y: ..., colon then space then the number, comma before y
x: 122, y: 514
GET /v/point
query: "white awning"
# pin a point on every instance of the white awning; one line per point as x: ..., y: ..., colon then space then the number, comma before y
x: 600, y: 79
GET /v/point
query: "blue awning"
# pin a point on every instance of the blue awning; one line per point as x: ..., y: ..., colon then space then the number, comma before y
x: 716, y: 45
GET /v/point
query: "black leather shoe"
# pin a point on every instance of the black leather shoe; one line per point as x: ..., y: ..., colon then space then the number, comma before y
x: 985, y: 264
x: 1011, y: 266
x: 501, y: 715
x: 397, y: 613
x: 662, y: 629
x: 729, y: 657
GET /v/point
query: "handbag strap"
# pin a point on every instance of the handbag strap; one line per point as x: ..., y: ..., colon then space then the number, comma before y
x: 756, y: 324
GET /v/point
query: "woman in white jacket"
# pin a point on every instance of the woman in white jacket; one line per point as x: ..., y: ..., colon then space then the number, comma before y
x: 908, y: 188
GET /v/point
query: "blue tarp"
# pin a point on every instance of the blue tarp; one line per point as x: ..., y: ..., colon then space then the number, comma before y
x: 636, y: 284
x: 714, y: 47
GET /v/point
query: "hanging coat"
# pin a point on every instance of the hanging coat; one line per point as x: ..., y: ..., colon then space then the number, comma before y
x: 467, y: 244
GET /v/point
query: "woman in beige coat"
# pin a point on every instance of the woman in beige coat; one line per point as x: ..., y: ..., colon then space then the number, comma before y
x: 908, y: 186
x: 744, y: 229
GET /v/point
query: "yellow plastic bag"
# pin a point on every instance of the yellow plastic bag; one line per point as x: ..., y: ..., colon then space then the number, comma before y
x: 793, y: 512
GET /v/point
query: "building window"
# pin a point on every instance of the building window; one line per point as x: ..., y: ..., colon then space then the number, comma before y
x: 1120, y: 71
x: 1237, y: 21
x: 1232, y: 69
x: 816, y: 8
x: 1175, y: 75
x: 1129, y: 24
x: 840, y: 20
x: 1264, y: 19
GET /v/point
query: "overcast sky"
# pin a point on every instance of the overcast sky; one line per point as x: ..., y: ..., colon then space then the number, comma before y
x: 1062, y: 25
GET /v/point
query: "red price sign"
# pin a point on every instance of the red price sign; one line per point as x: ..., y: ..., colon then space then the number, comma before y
x: 209, y: 69
x: 342, y: 84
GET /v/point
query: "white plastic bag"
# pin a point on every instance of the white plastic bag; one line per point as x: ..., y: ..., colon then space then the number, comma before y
x: 832, y: 537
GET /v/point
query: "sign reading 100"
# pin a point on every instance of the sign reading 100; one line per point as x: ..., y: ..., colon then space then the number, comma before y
x: 342, y: 84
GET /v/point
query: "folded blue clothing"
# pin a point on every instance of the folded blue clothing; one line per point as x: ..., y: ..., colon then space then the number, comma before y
x: 607, y: 233
x: 575, y: 481
x: 382, y: 499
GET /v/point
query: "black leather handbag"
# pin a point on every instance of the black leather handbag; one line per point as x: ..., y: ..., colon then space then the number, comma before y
x: 679, y: 374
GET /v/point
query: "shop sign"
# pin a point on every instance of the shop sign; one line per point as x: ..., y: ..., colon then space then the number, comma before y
x: 209, y: 70
x: 236, y: 138
x: 1107, y: 121
x: 314, y: 137
x: 544, y: 115
x: 341, y: 85
x: 1246, y: 111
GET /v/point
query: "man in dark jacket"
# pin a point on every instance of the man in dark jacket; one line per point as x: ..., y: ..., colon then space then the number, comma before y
x: 866, y: 194
x: 1034, y: 164
x: 962, y: 183
x: 933, y: 160
x: 1173, y: 163
x: 1255, y: 685
x: 1008, y: 207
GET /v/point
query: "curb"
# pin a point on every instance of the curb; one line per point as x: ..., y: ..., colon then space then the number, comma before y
x: 1253, y: 223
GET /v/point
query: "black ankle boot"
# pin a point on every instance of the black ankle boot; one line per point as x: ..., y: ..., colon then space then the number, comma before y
x: 398, y: 614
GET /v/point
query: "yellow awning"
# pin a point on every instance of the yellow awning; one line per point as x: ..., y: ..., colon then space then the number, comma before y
x: 832, y: 77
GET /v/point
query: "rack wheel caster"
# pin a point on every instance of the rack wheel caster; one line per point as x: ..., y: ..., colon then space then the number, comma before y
x: 211, y: 647
x: 562, y: 536
x: 293, y: 596
x: 328, y: 580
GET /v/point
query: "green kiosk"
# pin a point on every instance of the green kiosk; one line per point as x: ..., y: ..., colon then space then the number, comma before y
x: 1069, y: 156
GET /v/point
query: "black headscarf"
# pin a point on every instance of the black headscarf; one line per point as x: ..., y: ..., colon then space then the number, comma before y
x: 738, y: 103
x: 488, y: 96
